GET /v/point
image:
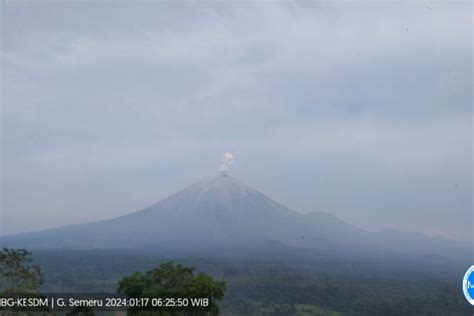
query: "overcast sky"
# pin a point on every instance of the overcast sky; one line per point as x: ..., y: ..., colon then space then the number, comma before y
x: 362, y: 110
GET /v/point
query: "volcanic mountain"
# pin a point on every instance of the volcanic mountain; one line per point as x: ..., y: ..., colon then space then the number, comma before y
x: 221, y: 212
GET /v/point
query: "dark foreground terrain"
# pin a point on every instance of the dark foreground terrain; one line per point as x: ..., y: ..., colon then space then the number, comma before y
x: 275, y: 286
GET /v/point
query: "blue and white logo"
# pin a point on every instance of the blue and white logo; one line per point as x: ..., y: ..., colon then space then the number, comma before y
x: 468, y: 285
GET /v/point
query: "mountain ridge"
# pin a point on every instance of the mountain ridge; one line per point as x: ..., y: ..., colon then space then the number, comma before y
x: 222, y: 211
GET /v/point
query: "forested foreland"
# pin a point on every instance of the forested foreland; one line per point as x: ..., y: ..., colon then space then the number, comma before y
x: 255, y: 286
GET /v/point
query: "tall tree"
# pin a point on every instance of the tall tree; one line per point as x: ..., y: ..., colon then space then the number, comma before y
x: 18, y: 274
x: 173, y: 283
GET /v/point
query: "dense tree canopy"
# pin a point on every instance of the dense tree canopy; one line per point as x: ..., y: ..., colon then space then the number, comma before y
x: 17, y: 273
x: 176, y: 285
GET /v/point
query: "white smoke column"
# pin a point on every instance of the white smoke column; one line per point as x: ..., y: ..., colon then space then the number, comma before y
x: 227, y: 161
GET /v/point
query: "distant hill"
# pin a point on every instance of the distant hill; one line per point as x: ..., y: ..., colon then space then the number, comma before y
x: 223, y: 215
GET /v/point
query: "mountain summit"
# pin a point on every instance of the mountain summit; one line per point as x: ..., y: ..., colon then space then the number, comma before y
x: 222, y: 212
x: 214, y: 212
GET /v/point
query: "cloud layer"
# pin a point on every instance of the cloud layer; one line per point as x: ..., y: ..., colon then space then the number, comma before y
x: 363, y: 109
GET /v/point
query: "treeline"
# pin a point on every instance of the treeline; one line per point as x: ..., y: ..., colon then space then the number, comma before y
x: 257, y: 287
x: 350, y: 295
x: 20, y: 279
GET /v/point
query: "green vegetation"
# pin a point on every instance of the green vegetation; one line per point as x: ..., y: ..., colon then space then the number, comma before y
x: 273, y: 287
x: 17, y: 273
x: 175, y: 286
x: 20, y: 277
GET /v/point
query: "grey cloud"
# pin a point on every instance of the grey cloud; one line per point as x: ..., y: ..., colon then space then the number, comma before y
x: 365, y: 108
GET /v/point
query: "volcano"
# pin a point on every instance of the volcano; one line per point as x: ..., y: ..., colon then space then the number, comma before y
x: 213, y: 212
x: 222, y: 212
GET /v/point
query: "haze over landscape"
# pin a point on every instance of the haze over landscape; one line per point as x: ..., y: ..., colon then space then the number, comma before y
x: 222, y: 216
x: 358, y: 110
x: 273, y: 260
x: 297, y: 158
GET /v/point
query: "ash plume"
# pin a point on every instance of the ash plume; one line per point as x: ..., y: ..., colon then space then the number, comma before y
x: 227, y: 161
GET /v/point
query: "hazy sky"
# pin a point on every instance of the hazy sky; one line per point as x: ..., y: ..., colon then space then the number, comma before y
x: 359, y: 109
